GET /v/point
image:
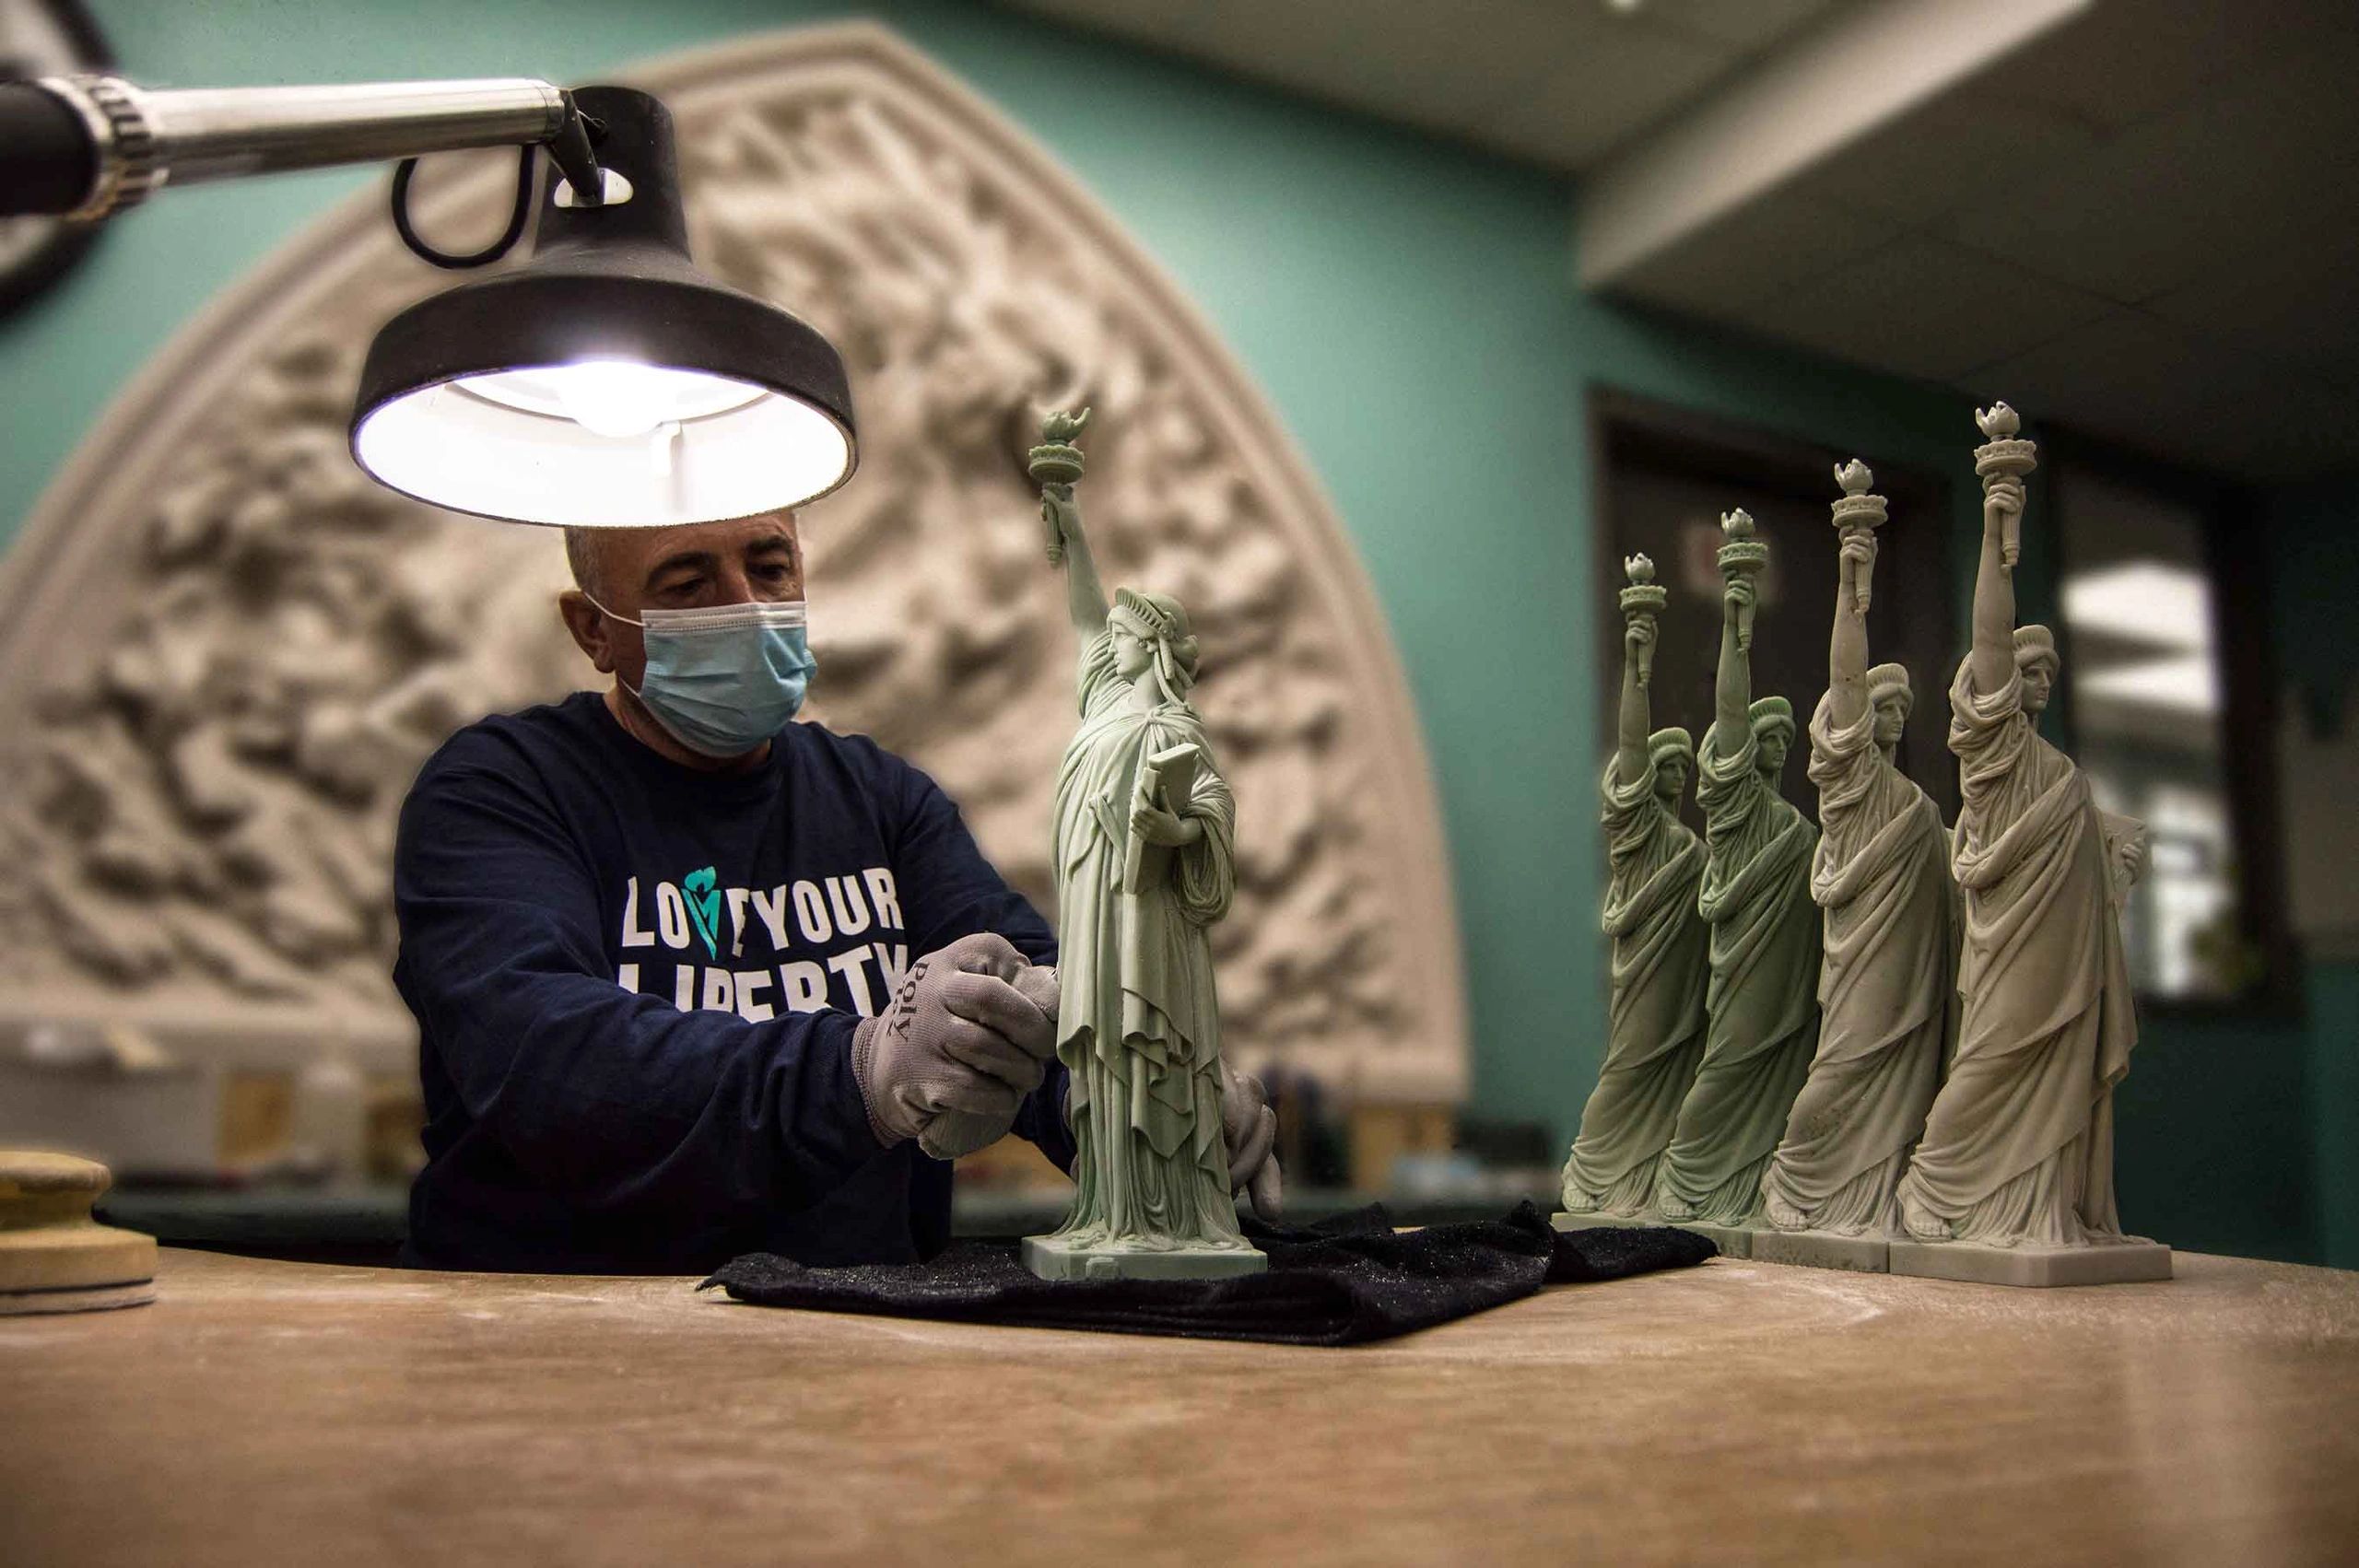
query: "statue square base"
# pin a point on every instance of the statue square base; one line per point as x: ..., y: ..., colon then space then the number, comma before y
x: 1050, y: 1257
x: 2123, y: 1263
x: 1735, y: 1241
x: 1823, y: 1249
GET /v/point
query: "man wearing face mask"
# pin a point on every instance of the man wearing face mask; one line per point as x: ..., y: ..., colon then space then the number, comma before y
x: 693, y: 980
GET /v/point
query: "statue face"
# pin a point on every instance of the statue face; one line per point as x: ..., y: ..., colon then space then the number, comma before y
x: 2039, y: 682
x: 1892, y: 719
x: 1671, y: 777
x: 1133, y: 653
x: 1772, y: 756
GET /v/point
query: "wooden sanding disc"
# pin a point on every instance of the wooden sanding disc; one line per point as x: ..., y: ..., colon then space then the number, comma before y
x: 53, y: 1256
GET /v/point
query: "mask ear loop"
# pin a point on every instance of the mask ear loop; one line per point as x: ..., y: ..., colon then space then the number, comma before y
x: 626, y: 620
x: 609, y: 614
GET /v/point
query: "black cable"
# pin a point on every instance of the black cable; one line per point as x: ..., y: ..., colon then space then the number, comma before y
x: 489, y: 253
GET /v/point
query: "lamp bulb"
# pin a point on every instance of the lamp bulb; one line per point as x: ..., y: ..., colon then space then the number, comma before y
x: 613, y: 397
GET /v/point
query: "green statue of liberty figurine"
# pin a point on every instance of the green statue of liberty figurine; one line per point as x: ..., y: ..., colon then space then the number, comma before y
x: 1761, y: 1001
x: 1145, y: 865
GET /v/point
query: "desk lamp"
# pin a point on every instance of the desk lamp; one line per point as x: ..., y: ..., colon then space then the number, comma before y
x: 606, y: 382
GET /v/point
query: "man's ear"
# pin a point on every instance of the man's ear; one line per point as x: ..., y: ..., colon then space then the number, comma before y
x: 589, y: 628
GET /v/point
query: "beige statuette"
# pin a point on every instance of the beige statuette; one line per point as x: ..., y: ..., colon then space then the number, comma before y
x: 1886, y: 989
x: 54, y: 1256
x: 2013, y: 1180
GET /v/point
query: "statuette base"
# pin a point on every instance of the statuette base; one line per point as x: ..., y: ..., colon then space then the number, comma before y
x: 1823, y: 1249
x: 1735, y: 1241
x: 1052, y: 1258
x: 2112, y: 1263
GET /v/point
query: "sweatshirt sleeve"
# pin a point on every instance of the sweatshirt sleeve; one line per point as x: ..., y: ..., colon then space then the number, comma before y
x: 949, y: 890
x: 619, y: 1102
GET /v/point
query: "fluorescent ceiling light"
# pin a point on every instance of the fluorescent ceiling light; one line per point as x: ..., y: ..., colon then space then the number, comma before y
x: 2150, y: 601
x: 2187, y: 684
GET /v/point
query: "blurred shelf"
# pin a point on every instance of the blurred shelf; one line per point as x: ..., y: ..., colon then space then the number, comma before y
x: 368, y: 1224
x: 363, y: 1224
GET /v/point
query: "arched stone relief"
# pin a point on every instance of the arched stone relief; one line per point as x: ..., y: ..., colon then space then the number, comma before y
x: 224, y: 651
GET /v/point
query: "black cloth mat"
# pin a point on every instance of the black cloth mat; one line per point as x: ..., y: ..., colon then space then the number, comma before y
x: 1340, y: 1282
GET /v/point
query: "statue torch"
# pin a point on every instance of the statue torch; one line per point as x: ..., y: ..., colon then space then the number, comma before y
x: 1642, y: 600
x: 1742, y: 556
x: 2004, y: 456
x: 1860, y: 510
x: 1056, y: 461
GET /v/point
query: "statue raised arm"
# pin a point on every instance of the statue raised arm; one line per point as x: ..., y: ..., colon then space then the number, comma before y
x: 1056, y: 463
x: 1742, y: 559
x: 1635, y: 718
x: 2001, y: 462
x: 1847, y: 649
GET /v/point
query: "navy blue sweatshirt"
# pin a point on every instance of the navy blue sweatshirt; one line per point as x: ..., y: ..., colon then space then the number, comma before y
x: 636, y: 986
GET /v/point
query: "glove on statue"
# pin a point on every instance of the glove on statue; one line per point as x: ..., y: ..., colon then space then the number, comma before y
x: 1249, y: 1129
x: 1250, y: 1133
x: 965, y: 1038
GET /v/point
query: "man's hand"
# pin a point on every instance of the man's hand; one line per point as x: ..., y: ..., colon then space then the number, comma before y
x: 1250, y: 1128
x: 961, y: 1038
x: 956, y: 1133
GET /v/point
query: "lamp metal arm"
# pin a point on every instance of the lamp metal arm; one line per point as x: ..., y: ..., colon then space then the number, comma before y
x: 117, y: 142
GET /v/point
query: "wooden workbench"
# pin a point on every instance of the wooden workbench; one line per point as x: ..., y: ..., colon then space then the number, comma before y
x: 277, y: 1412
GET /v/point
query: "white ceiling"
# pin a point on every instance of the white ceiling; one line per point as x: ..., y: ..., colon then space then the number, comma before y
x: 2144, y: 222
x: 1557, y: 82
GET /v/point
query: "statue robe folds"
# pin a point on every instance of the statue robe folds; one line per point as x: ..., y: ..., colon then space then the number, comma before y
x: 1138, y: 1026
x: 1655, y: 1028
x: 2019, y: 1146
x: 1887, y: 990
x: 1761, y: 1005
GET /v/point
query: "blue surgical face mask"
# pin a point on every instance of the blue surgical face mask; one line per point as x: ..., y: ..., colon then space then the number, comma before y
x: 725, y: 679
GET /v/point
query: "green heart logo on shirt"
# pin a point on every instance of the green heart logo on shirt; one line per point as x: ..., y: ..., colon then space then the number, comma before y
x: 704, y: 905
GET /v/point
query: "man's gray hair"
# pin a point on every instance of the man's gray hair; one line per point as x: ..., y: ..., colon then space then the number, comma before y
x: 581, y: 559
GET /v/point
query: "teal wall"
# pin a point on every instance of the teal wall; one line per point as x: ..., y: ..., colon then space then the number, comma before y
x: 1404, y: 305
x: 2311, y: 538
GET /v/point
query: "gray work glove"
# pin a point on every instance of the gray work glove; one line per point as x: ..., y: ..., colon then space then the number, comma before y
x: 954, y: 1133
x: 957, y: 1049
x: 1250, y: 1128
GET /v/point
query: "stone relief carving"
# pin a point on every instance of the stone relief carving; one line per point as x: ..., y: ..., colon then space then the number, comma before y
x: 225, y: 650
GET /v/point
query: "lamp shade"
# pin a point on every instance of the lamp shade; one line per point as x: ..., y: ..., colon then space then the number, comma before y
x: 606, y: 382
